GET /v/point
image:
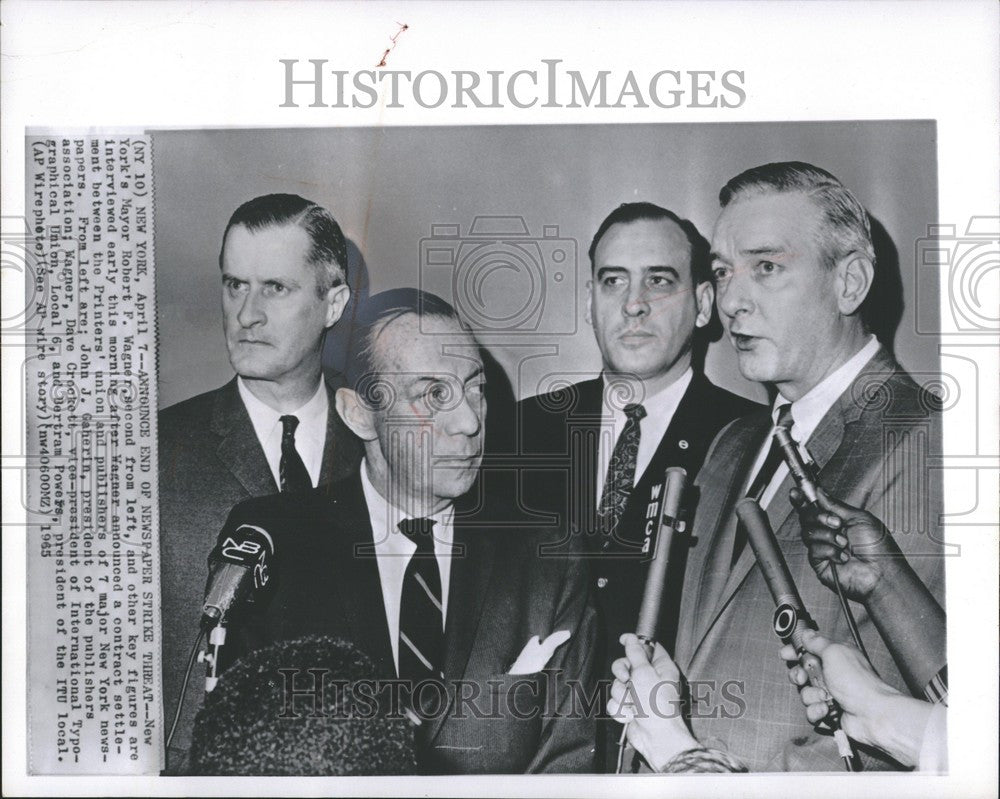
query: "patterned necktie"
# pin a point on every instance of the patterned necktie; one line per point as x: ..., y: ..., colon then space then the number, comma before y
x: 294, y: 476
x: 421, y: 617
x: 621, y: 472
x: 763, y: 478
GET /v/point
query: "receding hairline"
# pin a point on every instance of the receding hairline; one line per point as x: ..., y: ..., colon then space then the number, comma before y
x: 821, y: 226
x: 378, y: 328
x: 594, y: 268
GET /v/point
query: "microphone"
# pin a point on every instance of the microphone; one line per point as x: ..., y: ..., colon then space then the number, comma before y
x: 675, y: 480
x: 652, y: 598
x: 239, y: 565
x: 910, y: 621
x: 804, y: 475
x: 791, y: 619
x: 793, y: 459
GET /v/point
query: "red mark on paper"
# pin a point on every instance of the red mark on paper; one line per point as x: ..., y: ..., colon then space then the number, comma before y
x: 402, y: 28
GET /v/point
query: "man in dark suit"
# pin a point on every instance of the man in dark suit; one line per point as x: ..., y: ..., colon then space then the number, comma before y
x: 794, y: 263
x: 650, y: 304
x: 500, y: 635
x: 272, y: 427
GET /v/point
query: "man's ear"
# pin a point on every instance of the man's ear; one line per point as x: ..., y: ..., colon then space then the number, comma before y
x: 855, y: 274
x: 336, y: 300
x: 704, y: 297
x: 356, y: 415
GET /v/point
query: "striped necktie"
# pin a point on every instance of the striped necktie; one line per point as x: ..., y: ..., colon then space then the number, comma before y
x: 421, y: 615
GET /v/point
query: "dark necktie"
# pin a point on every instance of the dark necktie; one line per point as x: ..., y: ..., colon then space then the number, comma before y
x: 421, y: 639
x: 621, y: 472
x: 292, y: 471
x: 763, y: 478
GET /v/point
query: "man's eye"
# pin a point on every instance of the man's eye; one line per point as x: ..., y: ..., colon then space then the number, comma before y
x: 767, y: 267
x: 233, y: 285
x: 276, y: 289
x: 613, y: 281
x: 661, y: 281
x: 439, y: 395
x: 720, y: 272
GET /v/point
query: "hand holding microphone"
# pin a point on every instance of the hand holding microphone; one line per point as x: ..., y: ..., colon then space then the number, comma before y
x: 874, y: 713
x: 804, y: 474
x: 791, y: 619
x: 655, y: 727
x: 873, y: 571
x: 675, y: 481
x: 856, y: 541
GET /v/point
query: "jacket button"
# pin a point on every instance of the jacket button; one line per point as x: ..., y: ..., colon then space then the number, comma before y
x: 682, y: 444
x: 602, y: 581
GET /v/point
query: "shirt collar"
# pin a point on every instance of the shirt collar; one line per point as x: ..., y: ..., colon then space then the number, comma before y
x: 385, y: 519
x: 660, y: 405
x: 264, y: 418
x: 809, y: 409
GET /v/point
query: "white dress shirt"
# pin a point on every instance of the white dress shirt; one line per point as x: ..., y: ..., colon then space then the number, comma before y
x: 809, y: 410
x: 660, y: 410
x: 393, y: 551
x: 310, y: 435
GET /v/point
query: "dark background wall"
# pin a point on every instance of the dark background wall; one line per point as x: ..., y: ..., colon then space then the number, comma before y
x: 389, y: 187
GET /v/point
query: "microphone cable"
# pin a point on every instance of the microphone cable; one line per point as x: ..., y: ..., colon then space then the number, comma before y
x: 184, y: 686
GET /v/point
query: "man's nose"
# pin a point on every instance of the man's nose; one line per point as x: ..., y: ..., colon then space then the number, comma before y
x: 732, y: 295
x: 251, y: 311
x: 636, y: 301
x: 466, y: 418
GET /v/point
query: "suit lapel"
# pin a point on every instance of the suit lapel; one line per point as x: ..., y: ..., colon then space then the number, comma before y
x: 719, y: 581
x: 584, y: 429
x: 822, y: 444
x: 239, y: 450
x: 826, y: 440
x: 685, y: 430
x: 341, y: 449
x: 355, y: 574
x: 471, y: 569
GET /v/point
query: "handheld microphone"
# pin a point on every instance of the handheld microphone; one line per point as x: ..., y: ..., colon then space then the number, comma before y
x: 675, y: 480
x: 791, y: 619
x: 793, y: 459
x: 804, y: 475
x: 239, y: 565
x: 652, y: 598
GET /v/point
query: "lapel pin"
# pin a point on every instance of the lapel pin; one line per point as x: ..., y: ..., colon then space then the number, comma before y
x: 682, y: 444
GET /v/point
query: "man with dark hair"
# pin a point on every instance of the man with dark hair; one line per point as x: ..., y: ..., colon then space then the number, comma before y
x: 491, y: 637
x: 271, y: 428
x: 794, y: 263
x: 596, y: 451
x: 300, y: 708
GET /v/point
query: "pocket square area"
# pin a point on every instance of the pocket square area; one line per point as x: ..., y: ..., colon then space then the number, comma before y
x: 537, y: 653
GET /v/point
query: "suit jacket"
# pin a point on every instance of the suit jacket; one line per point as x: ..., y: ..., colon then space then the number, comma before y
x: 209, y: 460
x: 501, y: 594
x: 873, y: 449
x: 559, y: 436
